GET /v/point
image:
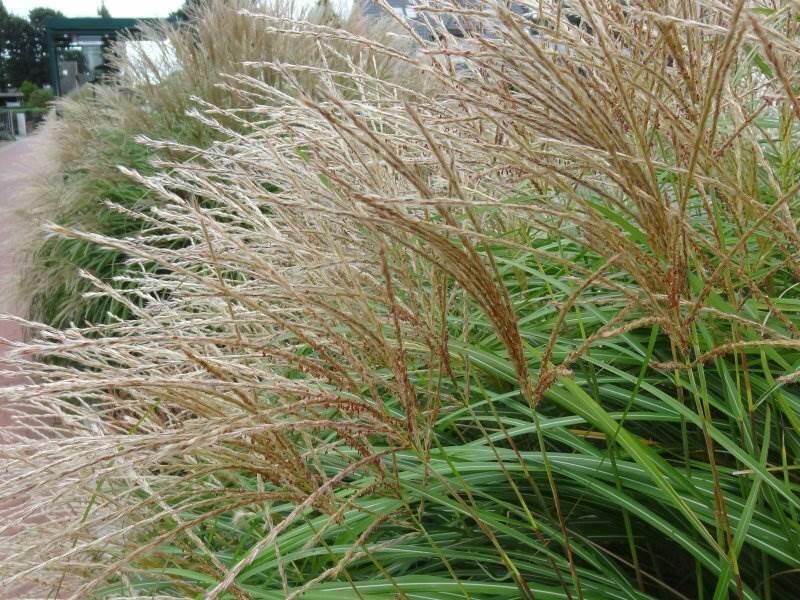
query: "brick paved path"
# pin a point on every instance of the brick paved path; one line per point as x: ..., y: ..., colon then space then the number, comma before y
x: 22, y: 164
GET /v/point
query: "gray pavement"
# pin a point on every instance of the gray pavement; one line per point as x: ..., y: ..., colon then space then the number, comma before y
x: 22, y: 165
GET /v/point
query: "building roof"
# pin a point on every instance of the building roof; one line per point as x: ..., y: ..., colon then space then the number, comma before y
x: 90, y: 24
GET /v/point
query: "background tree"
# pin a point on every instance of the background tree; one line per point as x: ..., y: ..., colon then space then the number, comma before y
x: 23, y: 47
x: 37, y: 18
x: 18, y: 43
x: 3, y: 77
x: 182, y: 14
x: 27, y: 88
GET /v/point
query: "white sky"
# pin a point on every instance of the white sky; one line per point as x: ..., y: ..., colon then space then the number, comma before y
x: 121, y: 8
x: 88, y: 8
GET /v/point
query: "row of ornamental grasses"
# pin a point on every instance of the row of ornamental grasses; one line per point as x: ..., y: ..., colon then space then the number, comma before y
x: 508, y: 314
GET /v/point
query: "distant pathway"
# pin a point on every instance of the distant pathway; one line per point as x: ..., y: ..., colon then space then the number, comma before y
x: 22, y: 163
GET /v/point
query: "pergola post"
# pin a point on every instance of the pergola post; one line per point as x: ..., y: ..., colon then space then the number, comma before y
x: 52, y: 62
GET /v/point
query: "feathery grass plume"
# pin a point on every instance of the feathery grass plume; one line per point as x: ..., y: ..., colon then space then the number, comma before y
x: 528, y: 332
x: 154, y: 88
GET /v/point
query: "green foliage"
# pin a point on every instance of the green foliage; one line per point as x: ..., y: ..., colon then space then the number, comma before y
x: 639, y: 487
x: 27, y: 88
x: 40, y: 98
x: 19, y: 60
x: 25, y: 53
x: 38, y: 16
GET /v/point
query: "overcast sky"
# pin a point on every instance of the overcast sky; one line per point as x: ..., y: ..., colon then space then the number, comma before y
x: 120, y: 8
x: 88, y: 8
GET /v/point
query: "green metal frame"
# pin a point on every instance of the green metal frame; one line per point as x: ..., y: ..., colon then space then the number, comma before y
x: 25, y: 109
x: 56, y: 26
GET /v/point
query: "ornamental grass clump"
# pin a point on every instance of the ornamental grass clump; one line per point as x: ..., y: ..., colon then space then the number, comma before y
x: 529, y: 331
x: 153, y: 86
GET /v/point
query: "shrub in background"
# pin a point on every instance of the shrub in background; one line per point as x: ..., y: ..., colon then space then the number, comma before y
x: 40, y: 99
x: 529, y: 333
x: 34, y: 96
x: 36, y: 101
x: 26, y: 89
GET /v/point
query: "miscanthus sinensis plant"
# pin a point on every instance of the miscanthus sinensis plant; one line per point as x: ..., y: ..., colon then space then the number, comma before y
x: 151, y: 91
x: 529, y: 330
